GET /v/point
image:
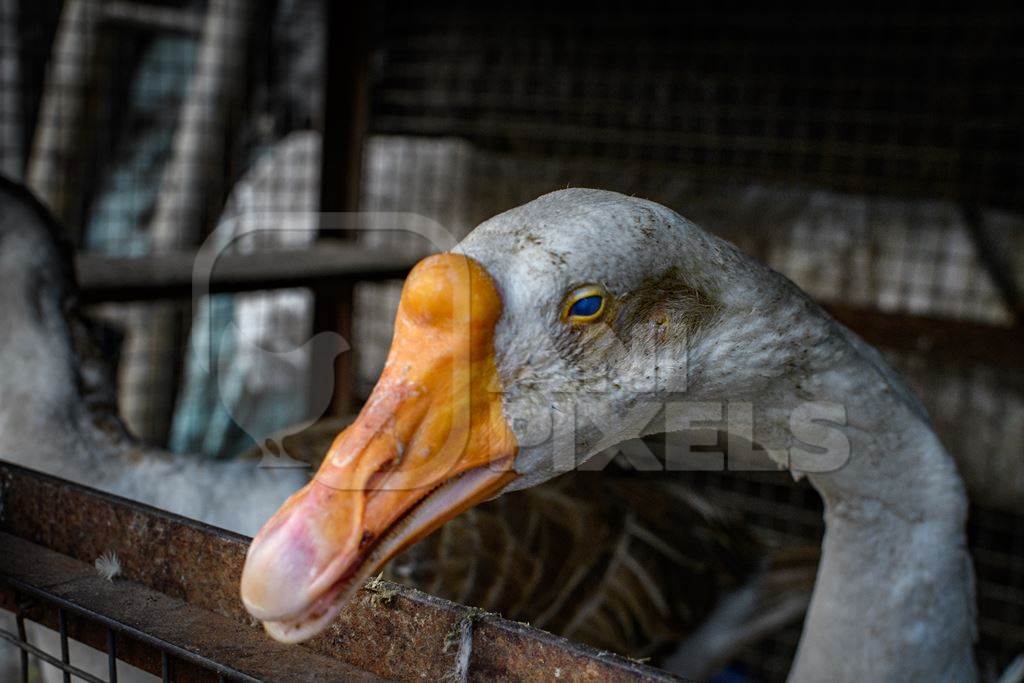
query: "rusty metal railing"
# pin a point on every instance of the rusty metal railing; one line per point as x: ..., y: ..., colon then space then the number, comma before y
x: 174, y: 610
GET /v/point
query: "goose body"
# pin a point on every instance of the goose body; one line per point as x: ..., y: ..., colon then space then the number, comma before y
x: 689, y: 331
x: 58, y: 411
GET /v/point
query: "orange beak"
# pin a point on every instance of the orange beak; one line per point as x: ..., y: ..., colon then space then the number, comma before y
x: 430, y: 442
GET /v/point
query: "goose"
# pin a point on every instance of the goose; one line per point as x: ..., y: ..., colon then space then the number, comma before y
x: 58, y: 409
x: 585, y: 318
x: 58, y: 414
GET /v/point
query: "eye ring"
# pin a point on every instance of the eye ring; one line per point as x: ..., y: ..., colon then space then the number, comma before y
x: 585, y: 304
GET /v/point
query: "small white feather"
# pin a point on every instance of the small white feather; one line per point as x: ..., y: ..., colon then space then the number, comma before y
x: 108, y: 566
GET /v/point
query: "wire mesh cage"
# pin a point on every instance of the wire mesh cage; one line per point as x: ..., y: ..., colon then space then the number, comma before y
x: 874, y: 157
x: 869, y: 156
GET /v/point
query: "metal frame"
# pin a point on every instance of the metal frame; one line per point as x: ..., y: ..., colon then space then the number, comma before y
x: 177, y: 603
x: 194, y: 645
x: 20, y: 640
x: 330, y: 265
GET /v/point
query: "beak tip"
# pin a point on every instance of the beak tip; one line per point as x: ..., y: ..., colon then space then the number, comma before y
x: 274, y: 578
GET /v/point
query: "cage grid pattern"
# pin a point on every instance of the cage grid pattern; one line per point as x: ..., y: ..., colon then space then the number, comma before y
x: 63, y: 663
x: 846, y: 150
x: 917, y: 103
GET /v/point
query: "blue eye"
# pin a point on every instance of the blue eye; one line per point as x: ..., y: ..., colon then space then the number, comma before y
x: 587, y: 306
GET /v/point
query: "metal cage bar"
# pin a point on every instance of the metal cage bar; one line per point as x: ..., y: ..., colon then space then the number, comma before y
x: 176, y: 609
x: 20, y: 641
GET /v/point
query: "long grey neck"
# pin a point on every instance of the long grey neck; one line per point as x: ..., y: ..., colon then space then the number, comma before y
x: 894, y: 599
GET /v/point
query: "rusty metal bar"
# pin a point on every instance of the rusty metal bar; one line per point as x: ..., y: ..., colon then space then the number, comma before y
x: 21, y: 642
x: 180, y: 594
x: 101, y: 608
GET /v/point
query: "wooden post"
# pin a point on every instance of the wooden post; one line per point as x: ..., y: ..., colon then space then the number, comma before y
x: 344, y: 131
x: 11, y: 162
x: 186, y: 190
x: 53, y: 170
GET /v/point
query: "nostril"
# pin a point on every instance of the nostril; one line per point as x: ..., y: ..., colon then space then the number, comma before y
x: 376, y: 479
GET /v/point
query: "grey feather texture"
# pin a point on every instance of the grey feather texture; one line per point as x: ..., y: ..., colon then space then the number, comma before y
x: 894, y: 599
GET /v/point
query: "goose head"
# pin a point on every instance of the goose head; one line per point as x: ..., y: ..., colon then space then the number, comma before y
x: 553, y: 331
